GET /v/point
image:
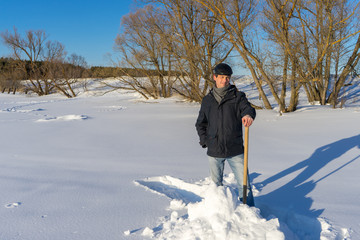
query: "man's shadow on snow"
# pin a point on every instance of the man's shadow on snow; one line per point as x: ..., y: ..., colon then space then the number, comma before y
x: 292, y: 196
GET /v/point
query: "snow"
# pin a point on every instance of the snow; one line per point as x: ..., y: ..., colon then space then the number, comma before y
x: 116, y: 166
x: 70, y: 117
x: 212, y: 213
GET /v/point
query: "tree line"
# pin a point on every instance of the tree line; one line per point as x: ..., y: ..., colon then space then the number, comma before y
x: 12, y: 77
x: 44, y: 65
x: 171, y: 46
x: 15, y: 75
x: 287, y: 45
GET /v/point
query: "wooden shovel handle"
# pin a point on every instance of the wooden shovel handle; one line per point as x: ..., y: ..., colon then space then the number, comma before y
x: 246, y: 152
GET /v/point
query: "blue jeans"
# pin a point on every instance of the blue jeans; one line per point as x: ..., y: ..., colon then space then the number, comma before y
x: 236, y: 164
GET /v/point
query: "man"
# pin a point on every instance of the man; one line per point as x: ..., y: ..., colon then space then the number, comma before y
x: 219, y: 125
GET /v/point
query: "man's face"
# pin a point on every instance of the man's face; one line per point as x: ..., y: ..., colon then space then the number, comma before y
x: 222, y: 80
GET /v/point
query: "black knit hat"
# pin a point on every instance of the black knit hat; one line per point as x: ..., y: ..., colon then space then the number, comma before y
x: 223, y: 69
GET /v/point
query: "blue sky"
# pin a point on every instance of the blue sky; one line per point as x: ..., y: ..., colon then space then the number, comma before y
x: 86, y: 27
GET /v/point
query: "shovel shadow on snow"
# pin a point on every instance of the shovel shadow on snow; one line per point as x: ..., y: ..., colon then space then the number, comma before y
x: 292, y: 196
x: 170, y: 191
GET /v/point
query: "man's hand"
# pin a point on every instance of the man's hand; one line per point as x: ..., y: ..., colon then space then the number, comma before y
x: 247, y: 121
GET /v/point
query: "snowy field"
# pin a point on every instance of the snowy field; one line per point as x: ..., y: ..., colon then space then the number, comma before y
x: 115, y: 166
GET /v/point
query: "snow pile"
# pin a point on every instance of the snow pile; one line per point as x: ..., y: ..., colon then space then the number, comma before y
x: 211, y: 213
x: 202, y: 210
x: 220, y: 216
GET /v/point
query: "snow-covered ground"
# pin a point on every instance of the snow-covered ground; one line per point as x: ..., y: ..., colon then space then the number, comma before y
x: 115, y: 166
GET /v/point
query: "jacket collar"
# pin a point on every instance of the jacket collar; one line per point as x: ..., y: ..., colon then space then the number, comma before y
x: 229, y: 95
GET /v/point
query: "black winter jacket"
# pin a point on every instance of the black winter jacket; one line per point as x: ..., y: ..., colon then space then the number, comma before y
x: 219, y: 125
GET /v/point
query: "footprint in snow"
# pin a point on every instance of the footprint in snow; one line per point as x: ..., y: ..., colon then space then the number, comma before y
x: 13, y: 205
x: 18, y: 110
x: 64, y: 118
x: 112, y: 108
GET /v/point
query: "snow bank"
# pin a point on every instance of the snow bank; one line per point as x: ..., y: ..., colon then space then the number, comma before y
x: 201, y: 210
x: 212, y: 213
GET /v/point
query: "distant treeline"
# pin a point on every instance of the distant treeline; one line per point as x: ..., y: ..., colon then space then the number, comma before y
x: 9, y: 71
x: 9, y: 68
x: 106, y: 72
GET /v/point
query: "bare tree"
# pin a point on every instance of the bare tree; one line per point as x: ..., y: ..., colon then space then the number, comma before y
x: 142, y: 47
x: 180, y: 40
x: 41, y: 62
x: 305, y: 35
x: 277, y: 24
x: 53, y: 54
x: 325, y: 27
x: 235, y: 17
x: 27, y: 50
x: 198, y: 43
x: 71, y: 70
